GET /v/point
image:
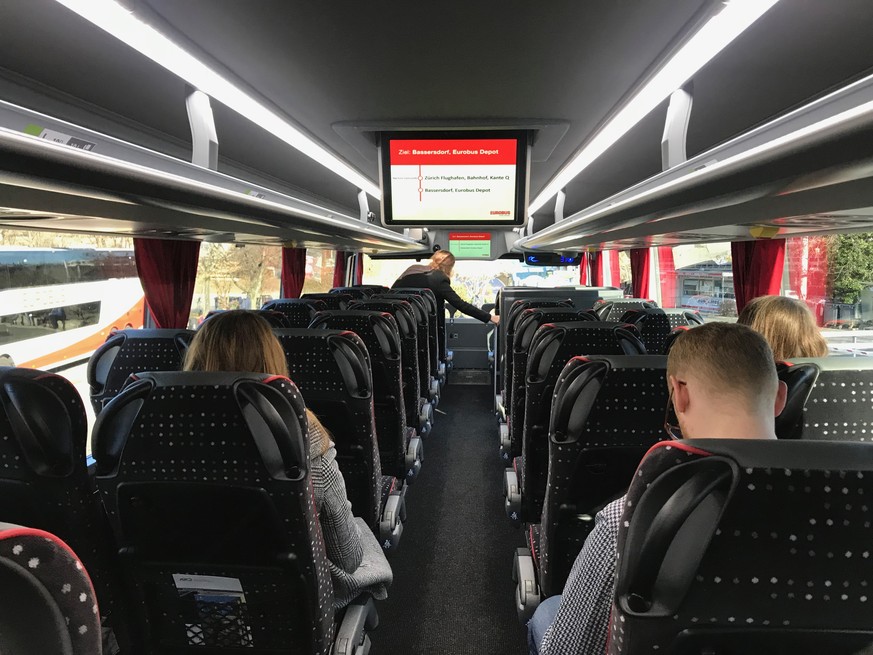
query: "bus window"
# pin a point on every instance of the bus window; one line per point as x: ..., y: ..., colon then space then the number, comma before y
x: 61, y: 295
x: 231, y: 276
x: 698, y: 277
x: 319, y: 270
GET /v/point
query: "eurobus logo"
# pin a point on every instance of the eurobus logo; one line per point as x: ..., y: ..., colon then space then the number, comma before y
x: 499, y: 212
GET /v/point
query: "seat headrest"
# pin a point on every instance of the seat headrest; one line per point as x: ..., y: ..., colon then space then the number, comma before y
x: 269, y: 405
x: 42, y: 423
x: 768, y: 453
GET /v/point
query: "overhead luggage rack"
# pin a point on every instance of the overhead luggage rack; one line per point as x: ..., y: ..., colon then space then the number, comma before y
x: 807, y: 172
x: 55, y: 175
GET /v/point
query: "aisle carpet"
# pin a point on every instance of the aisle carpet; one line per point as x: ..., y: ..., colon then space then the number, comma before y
x: 453, y: 592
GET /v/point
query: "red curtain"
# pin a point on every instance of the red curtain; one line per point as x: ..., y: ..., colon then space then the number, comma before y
x: 757, y: 267
x: 167, y: 269
x: 668, y: 276
x: 614, y: 270
x: 639, y: 261
x: 339, y: 269
x: 595, y: 268
x: 808, y: 271
x: 359, y: 269
x: 583, y: 270
x: 293, y: 271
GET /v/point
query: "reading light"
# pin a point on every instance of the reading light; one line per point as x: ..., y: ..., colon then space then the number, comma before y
x: 713, y: 37
x: 125, y: 26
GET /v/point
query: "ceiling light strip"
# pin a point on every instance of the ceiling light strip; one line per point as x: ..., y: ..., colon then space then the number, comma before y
x: 568, y: 233
x: 127, y: 27
x: 713, y: 37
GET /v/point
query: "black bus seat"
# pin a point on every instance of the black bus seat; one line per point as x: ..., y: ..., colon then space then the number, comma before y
x: 829, y: 398
x: 671, y: 338
x: 331, y: 300
x: 526, y: 325
x: 613, y: 310
x: 400, y: 448
x: 655, y: 325
x: 205, y: 478
x: 554, y: 344
x: 429, y: 385
x: 332, y: 370
x: 745, y: 546
x: 436, y: 329
x: 372, y: 288
x: 44, y: 481
x: 607, y: 412
x: 418, y: 412
x: 357, y: 293
x: 505, y: 345
x: 49, y: 607
x: 131, y: 351
x: 298, y: 312
x: 275, y: 319
x: 437, y: 332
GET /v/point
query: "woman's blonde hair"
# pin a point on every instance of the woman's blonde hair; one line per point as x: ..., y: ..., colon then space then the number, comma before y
x: 444, y: 261
x: 240, y: 340
x: 787, y: 324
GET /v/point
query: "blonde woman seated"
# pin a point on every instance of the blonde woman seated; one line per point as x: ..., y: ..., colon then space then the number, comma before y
x: 243, y: 341
x: 787, y: 325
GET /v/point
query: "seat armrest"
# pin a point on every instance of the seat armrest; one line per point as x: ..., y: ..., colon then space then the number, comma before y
x: 425, y: 416
x: 434, y: 392
x: 351, y: 635
x: 512, y: 491
x: 391, y: 523
x: 499, y: 408
x: 505, y: 442
x: 527, y: 591
x: 414, y: 458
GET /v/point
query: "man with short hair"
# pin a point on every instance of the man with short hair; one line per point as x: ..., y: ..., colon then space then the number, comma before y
x: 723, y: 385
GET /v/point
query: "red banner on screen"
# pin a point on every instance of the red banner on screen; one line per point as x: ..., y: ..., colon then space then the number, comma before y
x: 469, y: 236
x: 415, y: 152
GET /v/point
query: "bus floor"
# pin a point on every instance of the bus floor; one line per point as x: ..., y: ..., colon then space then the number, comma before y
x: 453, y: 591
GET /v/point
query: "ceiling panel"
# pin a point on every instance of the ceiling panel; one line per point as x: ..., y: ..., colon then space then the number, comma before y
x: 323, y: 63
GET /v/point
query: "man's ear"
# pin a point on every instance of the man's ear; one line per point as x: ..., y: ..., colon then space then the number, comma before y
x: 781, y: 398
x: 680, y: 394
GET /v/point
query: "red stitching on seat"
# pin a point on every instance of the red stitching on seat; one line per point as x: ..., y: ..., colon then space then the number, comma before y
x: 533, y: 550
x: 678, y: 445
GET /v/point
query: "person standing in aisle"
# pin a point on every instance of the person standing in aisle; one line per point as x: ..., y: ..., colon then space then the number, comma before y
x: 437, y: 276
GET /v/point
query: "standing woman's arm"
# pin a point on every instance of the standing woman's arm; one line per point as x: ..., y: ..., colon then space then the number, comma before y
x: 444, y: 289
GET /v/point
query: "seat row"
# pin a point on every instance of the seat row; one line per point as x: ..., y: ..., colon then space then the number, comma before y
x: 191, y: 465
x: 609, y: 410
x: 542, y: 335
x: 523, y: 317
x: 359, y: 369
x: 591, y: 403
x: 203, y: 532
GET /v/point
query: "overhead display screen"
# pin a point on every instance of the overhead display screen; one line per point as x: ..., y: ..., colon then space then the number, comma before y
x: 478, y: 180
x: 470, y: 245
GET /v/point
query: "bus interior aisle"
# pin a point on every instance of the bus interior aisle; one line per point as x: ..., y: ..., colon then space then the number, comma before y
x: 452, y: 577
